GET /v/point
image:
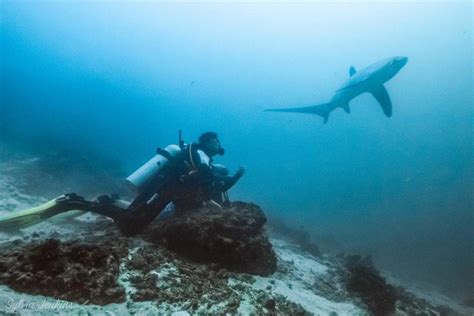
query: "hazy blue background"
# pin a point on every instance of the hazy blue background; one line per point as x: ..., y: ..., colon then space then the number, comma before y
x: 112, y: 81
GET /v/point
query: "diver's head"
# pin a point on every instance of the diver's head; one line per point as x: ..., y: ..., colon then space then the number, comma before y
x: 209, y: 143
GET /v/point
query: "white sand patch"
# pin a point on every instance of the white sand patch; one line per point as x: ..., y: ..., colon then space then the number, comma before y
x: 245, y: 307
x: 298, y: 293
x: 11, y: 197
x: 307, y: 267
x: 297, y: 282
x: 428, y: 293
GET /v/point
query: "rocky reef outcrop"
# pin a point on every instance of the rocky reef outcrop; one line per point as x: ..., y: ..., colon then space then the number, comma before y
x: 161, y: 276
x: 86, y: 268
x: 72, y: 270
x: 364, y: 281
x: 233, y: 238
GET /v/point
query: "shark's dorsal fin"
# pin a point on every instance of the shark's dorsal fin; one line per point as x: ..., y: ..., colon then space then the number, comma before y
x: 352, y: 71
x: 383, y: 98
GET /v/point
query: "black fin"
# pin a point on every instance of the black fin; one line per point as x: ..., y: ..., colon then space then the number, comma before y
x: 383, y: 98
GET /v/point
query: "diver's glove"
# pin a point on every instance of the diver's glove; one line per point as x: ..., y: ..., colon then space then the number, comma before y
x: 225, y: 183
x: 240, y: 172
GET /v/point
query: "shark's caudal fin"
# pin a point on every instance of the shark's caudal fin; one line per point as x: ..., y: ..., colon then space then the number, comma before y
x: 381, y: 94
x: 322, y: 110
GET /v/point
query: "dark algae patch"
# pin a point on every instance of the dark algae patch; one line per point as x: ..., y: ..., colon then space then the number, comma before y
x: 72, y: 271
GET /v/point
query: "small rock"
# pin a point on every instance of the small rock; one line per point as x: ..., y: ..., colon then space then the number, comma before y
x: 234, y: 303
x: 16, y: 242
x: 221, y: 274
x: 270, y: 304
x: 239, y: 287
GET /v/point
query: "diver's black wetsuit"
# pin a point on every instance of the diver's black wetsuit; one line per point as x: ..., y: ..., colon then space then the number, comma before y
x: 191, y: 183
x: 187, y: 180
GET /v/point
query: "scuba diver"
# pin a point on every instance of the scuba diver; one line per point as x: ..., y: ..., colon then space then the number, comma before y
x: 183, y: 175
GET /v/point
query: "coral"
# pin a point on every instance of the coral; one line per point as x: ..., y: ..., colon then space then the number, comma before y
x: 73, y: 271
x: 365, y: 282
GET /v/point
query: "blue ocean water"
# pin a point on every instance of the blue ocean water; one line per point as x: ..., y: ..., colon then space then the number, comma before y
x: 110, y: 82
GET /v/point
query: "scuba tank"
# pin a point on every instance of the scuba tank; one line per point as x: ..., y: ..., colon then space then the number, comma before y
x: 146, y: 174
x: 156, y: 171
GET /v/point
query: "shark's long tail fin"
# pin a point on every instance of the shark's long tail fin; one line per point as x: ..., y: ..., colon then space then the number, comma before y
x: 322, y: 110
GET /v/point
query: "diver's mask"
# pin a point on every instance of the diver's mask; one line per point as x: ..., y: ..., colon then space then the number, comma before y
x: 221, y: 151
x: 214, y: 142
x: 213, y: 146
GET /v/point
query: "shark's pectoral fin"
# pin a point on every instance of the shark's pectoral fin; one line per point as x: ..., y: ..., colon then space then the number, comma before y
x: 346, y: 108
x: 383, y: 99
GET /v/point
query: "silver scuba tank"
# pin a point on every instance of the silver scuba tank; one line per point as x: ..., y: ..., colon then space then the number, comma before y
x: 146, y: 173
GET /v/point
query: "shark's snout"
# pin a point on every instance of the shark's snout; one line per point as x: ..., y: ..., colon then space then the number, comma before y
x: 401, y: 61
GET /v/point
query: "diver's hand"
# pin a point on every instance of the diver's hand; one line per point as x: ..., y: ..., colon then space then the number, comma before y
x: 240, y: 172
